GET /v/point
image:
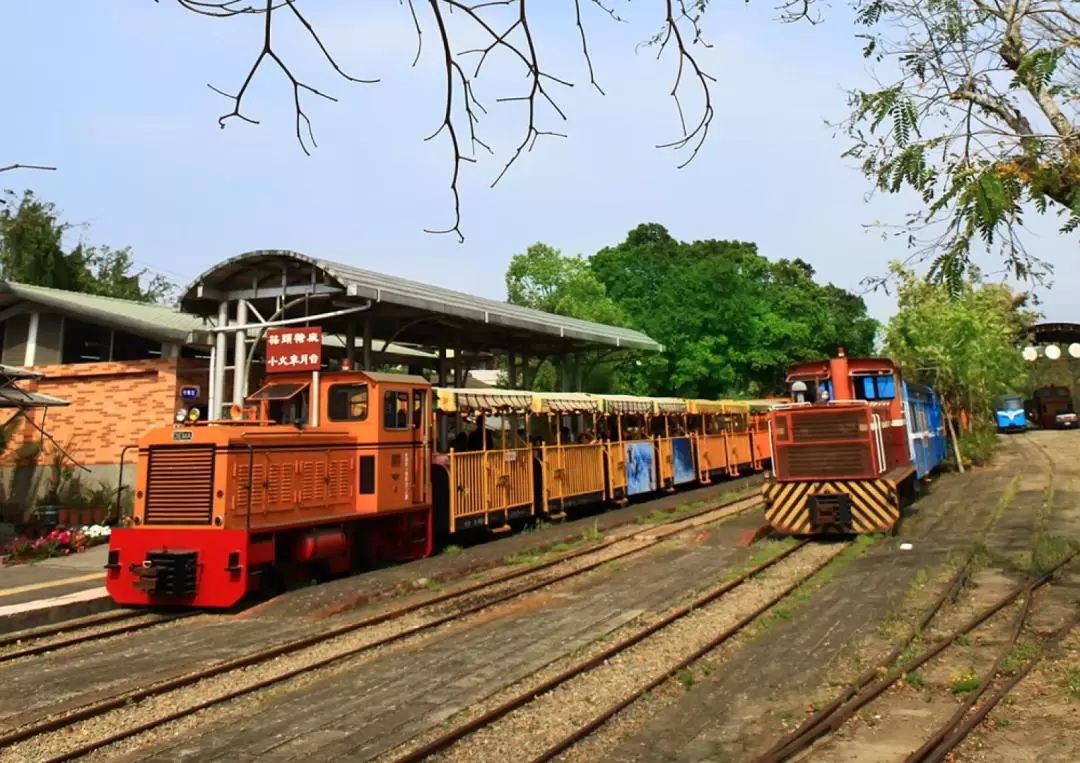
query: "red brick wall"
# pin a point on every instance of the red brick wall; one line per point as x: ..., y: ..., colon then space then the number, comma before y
x: 111, y: 404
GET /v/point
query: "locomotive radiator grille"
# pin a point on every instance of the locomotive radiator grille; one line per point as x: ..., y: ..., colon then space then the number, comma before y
x: 826, y: 461
x: 828, y: 425
x: 180, y: 485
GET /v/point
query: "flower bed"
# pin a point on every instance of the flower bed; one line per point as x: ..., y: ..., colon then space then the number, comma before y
x: 57, y: 543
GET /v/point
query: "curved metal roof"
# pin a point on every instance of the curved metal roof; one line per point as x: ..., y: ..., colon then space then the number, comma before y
x: 264, y: 271
x: 1054, y: 332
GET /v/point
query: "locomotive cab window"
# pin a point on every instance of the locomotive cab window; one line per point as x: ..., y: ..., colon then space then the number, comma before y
x: 347, y: 402
x: 285, y: 403
x: 395, y: 409
x: 874, y: 387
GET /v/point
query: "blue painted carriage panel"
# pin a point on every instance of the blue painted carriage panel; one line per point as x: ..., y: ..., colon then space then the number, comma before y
x: 682, y: 461
x: 926, y: 428
x: 640, y: 467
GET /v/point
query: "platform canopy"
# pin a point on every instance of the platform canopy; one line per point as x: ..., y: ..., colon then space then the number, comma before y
x: 399, y: 310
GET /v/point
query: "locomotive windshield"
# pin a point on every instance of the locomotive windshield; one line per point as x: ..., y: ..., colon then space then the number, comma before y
x: 285, y: 403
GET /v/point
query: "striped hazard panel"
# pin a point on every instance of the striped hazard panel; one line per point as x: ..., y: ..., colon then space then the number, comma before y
x: 873, y: 504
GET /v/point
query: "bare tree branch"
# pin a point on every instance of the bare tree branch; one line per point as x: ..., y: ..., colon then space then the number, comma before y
x: 11, y: 167
x: 505, y: 25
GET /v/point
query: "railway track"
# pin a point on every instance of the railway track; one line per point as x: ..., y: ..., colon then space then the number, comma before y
x: 61, y: 731
x: 873, y: 683
x: 30, y: 643
x: 538, y: 700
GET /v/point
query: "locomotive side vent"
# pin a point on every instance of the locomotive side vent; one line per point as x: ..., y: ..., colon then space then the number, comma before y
x: 180, y: 485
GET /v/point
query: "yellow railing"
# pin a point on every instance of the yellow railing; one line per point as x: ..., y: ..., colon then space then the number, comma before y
x: 572, y: 470
x: 667, y: 467
x: 492, y: 480
x: 616, y: 459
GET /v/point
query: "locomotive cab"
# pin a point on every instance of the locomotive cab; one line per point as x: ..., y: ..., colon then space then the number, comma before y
x: 313, y: 474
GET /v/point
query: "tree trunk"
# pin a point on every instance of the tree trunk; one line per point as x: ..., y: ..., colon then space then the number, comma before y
x: 952, y: 436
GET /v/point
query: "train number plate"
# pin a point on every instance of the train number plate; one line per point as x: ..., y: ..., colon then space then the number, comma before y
x: 182, y: 435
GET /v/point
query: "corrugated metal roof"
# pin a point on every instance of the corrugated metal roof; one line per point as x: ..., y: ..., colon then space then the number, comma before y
x: 156, y: 321
x: 149, y: 320
x: 18, y: 372
x: 17, y: 398
x: 435, y: 299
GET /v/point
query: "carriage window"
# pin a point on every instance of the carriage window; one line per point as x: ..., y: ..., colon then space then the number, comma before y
x: 418, y: 396
x: 395, y: 410
x: 347, y: 402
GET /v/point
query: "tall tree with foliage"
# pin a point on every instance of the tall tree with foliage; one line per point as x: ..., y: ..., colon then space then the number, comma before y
x: 980, y: 120
x: 32, y: 252
x: 962, y: 342
x: 545, y: 279
x: 731, y: 321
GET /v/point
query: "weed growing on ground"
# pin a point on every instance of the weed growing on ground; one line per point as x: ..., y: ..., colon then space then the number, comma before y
x: 1002, y: 722
x: 592, y: 533
x: 530, y: 558
x: 914, y: 680
x: 452, y: 550
x: 559, y: 548
x: 963, y: 640
x: 1048, y: 552
x: 434, y: 585
x: 685, y: 676
x: 1018, y: 656
x: 1072, y: 684
x: 965, y: 682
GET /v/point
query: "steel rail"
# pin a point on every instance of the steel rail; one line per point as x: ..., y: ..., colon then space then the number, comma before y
x: 652, y: 537
x: 87, y: 638
x: 452, y: 736
x: 840, y: 716
x: 937, y: 739
x: 949, y: 594
x: 961, y: 731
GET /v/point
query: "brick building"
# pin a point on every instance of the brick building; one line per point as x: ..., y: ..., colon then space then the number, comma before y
x: 120, y: 365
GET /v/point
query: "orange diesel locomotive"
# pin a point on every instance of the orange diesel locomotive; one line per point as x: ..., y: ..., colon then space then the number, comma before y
x: 326, y: 474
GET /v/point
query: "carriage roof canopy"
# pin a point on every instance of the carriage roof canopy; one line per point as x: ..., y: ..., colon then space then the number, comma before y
x: 406, y: 310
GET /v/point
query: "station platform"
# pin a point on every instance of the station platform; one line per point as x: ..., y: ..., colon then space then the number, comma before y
x: 53, y: 590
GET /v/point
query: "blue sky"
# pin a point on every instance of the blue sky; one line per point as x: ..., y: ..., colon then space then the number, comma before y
x: 115, y: 95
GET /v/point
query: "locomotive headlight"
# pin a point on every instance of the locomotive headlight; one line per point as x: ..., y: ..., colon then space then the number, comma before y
x: 181, y: 415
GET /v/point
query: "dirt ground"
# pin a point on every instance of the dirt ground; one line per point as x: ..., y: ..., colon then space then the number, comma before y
x: 803, y: 660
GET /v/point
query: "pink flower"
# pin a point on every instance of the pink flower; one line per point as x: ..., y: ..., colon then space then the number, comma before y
x: 64, y: 538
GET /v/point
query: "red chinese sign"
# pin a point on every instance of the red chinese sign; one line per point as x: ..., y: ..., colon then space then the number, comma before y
x: 293, y: 349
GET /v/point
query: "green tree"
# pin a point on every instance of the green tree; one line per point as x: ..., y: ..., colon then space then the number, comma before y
x: 963, y: 343
x: 32, y: 252
x: 544, y: 279
x: 979, y: 120
x: 730, y: 320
